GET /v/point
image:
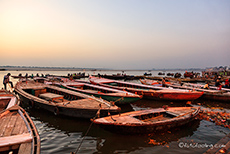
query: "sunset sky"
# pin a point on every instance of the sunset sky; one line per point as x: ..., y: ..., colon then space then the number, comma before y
x: 117, y: 34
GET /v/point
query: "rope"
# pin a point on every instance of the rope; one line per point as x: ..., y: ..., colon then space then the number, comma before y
x: 119, y: 99
x: 97, y: 114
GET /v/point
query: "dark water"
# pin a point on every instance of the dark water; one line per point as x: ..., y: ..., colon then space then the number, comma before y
x: 64, y: 135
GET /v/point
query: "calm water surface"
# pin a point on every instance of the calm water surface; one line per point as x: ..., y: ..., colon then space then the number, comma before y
x: 62, y: 135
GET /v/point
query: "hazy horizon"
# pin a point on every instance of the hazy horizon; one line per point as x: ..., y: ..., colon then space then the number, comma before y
x: 119, y: 34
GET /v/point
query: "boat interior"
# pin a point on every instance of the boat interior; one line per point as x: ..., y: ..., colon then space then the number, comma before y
x: 154, y: 117
x: 53, y: 95
x: 93, y: 89
x: 4, y: 102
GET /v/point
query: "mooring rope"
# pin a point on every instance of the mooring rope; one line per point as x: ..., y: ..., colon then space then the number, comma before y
x: 97, y: 114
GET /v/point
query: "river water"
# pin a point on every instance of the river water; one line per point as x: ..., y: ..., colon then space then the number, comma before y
x: 63, y: 135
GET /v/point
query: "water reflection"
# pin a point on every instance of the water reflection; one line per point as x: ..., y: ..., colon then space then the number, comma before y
x: 126, y: 144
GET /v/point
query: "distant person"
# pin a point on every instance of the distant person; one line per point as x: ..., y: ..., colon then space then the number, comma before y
x: 26, y: 75
x: 218, y: 84
x: 206, y: 86
x: 163, y: 82
x: 226, y: 85
x: 6, y: 80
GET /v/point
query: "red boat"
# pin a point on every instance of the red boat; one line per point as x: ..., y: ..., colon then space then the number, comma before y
x: 152, y: 92
x: 148, y: 121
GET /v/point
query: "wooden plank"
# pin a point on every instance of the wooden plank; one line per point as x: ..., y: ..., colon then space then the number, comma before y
x: 15, y: 139
x: 8, y: 148
x: 7, y: 120
x: 16, y: 129
x: 11, y: 125
x: 2, y: 124
x: 51, y: 96
x: 25, y: 148
x: 21, y: 125
x: 23, y: 129
x: 4, y: 113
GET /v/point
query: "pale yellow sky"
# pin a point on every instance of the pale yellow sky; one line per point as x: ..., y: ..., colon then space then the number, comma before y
x: 115, y: 34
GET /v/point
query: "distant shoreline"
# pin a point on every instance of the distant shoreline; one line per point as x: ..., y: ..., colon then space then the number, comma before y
x: 18, y: 68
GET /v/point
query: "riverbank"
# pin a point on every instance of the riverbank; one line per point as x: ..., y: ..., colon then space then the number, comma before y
x: 35, y: 68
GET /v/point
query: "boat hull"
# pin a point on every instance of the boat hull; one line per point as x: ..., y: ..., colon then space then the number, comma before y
x: 145, y: 129
x: 148, y: 91
x: 18, y: 132
x: 63, y: 111
x: 217, y: 97
x: 144, y: 121
x: 68, y: 103
x: 118, y: 98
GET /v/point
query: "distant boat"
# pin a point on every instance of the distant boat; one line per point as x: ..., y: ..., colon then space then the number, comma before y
x: 147, y: 74
x: 210, y: 94
x: 152, y: 82
x: 109, y: 94
x: 148, y: 121
x: 18, y: 133
x: 148, y: 91
x: 161, y: 73
x: 62, y: 101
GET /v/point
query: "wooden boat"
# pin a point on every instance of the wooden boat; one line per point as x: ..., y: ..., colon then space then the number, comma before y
x: 152, y: 82
x: 109, y: 94
x: 210, y: 94
x: 18, y: 133
x: 147, y: 74
x: 62, y: 101
x: 7, y: 100
x: 152, y: 92
x: 201, y: 86
x: 148, y: 121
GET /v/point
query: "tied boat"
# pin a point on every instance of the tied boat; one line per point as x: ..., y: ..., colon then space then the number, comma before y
x: 18, y: 133
x: 62, y: 101
x: 148, y: 91
x: 109, y: 94
x: 152, y: 82
x: 148, y: 121
x: 212, y: 93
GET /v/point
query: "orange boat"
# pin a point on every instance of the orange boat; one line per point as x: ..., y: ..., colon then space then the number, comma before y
x: 18, y: 133
x: 148, y: 91
x: 152, y: 82
x: 148, y: 121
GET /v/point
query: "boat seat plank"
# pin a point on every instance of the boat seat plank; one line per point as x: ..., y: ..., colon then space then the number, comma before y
x: 15, y: 139
x: 51, y: 96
